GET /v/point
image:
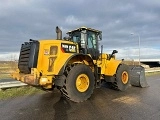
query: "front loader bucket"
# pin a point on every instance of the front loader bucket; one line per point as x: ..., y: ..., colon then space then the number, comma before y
x: 137, y: 76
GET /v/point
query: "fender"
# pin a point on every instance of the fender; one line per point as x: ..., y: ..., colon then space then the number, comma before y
x: 111, y: 67
x: 75, y: 57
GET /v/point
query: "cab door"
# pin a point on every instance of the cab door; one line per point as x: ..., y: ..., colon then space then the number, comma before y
x: 92, y: 45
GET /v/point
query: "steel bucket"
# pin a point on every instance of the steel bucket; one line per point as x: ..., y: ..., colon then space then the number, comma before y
x: 137, y: 76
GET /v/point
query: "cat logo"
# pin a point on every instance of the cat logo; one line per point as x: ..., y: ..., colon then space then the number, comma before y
x: 72, y: 48
x: 68, y: 48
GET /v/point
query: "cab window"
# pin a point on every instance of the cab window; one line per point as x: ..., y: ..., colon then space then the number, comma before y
x: 76, y: 37
x: 91, y: 39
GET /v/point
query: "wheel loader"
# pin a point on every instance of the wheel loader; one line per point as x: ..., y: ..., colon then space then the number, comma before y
x: 75, y: 65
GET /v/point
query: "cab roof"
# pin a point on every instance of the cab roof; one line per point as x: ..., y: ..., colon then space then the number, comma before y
x: 84, y: 28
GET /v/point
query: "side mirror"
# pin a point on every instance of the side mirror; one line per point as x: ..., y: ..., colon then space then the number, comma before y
x: 114, y: 51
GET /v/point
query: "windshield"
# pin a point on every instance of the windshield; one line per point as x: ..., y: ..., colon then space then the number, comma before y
x: 76, y: 37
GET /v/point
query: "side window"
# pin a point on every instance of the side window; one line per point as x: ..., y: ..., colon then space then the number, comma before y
x: 76, y: 38
x: 91, y: 40
x: 90, y: 44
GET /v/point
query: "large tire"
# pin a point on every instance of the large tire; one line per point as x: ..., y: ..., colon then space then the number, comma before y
x: 79, y: 83
x: 122, y: 77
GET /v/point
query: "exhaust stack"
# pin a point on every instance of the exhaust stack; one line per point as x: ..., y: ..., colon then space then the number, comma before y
x: 59, y: 33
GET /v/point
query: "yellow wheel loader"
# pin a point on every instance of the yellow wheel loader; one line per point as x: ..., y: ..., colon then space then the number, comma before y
x: 74, y: 65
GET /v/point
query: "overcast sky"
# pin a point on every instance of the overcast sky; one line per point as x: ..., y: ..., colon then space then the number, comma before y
x: 21, y: 20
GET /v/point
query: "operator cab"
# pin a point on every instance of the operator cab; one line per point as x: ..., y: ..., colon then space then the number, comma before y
x: 87, y: 40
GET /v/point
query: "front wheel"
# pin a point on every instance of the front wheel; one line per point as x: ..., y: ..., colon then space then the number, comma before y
x: 79, y: 83
x: 122, y: 77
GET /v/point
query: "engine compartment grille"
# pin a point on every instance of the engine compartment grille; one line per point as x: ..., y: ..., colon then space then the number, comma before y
x: 28, y: 56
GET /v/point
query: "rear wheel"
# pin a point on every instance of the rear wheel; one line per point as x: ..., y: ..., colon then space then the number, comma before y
x: 122, y: 77
x: 79, y: 83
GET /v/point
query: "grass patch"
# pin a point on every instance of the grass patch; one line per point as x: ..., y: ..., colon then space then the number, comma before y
x: 152, y: 73
x: 21, y: 91
x: 5, y: 76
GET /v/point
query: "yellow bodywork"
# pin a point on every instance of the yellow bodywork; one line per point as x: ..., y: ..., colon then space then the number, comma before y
x: 44, y: 56
x: 50, y: 63
x: 108, y: 67
x: 44, y: 73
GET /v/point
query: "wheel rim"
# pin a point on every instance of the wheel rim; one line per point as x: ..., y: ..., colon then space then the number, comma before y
x: 124, y: 77
x: 82, y: 83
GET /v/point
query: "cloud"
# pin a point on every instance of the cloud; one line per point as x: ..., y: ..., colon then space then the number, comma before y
x: 133, y: 53
x: 72, y: 20
x: 25, y: 19
x: 11, y: 56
